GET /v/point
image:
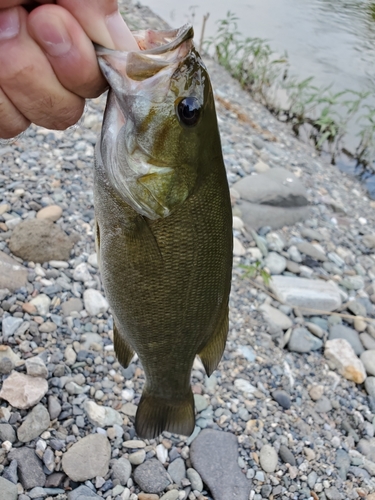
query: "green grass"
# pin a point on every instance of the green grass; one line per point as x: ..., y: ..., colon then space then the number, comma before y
x: 314, y: 112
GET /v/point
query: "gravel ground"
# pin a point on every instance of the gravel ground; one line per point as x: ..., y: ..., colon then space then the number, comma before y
x: 295, y: 391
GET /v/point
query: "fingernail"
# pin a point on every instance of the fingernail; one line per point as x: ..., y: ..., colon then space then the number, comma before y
x: 120, y: 33
x: 54, y: 38
x: 9, y: 24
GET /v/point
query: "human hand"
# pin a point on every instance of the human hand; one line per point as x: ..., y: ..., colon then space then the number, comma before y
x: 48, y: 65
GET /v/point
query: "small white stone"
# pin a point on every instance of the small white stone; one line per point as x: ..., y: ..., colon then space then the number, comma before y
x: 93, y: 260
x: 58, y: 264
x: 81, y: 273
x: 238, y: 248
x: 42, y: 303
x: 162, y: 453
x: 237, y: 223
x: 7, y: 446
x: 94, y: 301
x: 244, y: 385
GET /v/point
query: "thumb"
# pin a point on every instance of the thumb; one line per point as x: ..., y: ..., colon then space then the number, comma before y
x: 102, y: 22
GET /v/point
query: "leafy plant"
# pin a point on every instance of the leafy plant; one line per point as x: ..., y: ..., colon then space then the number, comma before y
x: 255, y: 270
x: 315, y: 113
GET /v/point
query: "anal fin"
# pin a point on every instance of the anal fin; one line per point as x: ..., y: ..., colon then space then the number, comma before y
x: 213, y: 350
x: 122, y: 349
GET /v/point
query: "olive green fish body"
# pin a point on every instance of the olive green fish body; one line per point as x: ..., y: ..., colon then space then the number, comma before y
x: 165, y: 242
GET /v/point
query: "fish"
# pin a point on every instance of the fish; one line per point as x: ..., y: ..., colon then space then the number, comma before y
x: 163, y: 221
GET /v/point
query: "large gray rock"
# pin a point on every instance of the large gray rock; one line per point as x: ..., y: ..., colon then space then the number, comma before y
x: 344, y: 332
x: 12, y: 274
x: 277, y: 187
x: 306, y: 294
x: 151, y: 476
x: 30, y: 468
x: 88, y: 458
x: 40, y: 240
x: 214, y: 454
x: 8, y: 490
x: 255, y: 215
x: 36, y: 422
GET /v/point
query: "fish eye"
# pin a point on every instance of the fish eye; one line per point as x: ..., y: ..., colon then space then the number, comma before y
x: 189, y: 111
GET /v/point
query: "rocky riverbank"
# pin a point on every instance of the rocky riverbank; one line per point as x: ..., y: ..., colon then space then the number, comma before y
x: 290, y: 412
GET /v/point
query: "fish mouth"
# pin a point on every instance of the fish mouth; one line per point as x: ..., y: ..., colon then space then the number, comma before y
x: 159, y: 50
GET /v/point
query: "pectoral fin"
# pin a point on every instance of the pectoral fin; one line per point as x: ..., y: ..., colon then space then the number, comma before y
x: 213, y: 350
x: 122, y: 349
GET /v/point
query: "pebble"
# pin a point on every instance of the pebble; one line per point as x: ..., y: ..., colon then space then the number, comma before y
x: 342, y: 357
x: 238, y: 248
x: 138, y: 457
x: 275, y: 263
x: 221, y: 447
x: 301, y: 340
x: 10, y: 325
x: 367, y: 340
x: 35, y: 423
x: 95, y: 303
x: 102, y: 416
x: 282, y: 398
x: 35, y: 367
x: 95, y: 446
x: 151, y: 476
x: 268, y: 458
x: 286, y: 455
x: 195, y: 479
x: 30, y: 469
x: 171, y: 495
x: 23, y: 391
x: 42, y: 304
x: 8, y: 490
x: 275, y: 317
x: 316, y: 392
x: 368, y: 361
x: 52, y: 213
x: 177, y: 470
x: 344, y: 332
x: 323, y: 405
x: 121, y: 470
x: 370, y: 386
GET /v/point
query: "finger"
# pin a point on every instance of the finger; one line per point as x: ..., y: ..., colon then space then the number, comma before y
x: 5, y: 4
x: 12, y: 122
x: 27, y: 79
x: 68, y: 49
x: 102, y: 22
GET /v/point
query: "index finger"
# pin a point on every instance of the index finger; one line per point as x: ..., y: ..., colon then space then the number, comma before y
x: 102, y: 23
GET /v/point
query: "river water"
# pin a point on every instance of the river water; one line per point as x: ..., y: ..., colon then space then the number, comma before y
x: 331, y: 40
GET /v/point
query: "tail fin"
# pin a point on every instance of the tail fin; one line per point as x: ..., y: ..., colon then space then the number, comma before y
x: 155, y: 415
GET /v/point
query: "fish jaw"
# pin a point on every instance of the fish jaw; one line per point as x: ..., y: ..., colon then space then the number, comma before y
x: 140, y: 123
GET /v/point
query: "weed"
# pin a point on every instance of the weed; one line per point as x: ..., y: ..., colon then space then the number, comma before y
x: 255, y: 270
x: 314, y: 112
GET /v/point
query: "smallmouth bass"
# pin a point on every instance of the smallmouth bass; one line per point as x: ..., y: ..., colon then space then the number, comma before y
x: 163, y: 221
